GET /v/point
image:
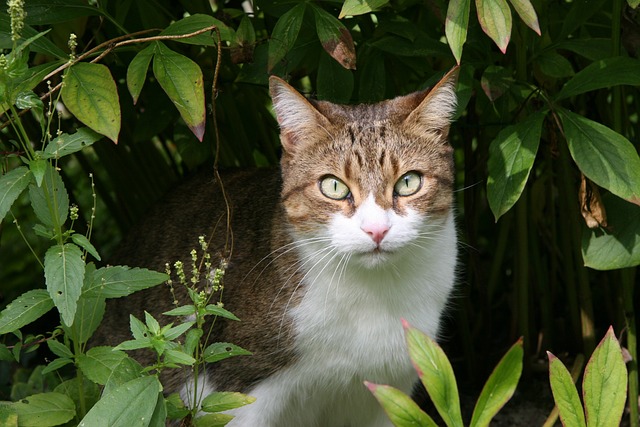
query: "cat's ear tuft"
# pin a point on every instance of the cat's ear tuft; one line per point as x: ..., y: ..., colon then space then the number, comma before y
x: 436, y: 110
x: 297, y: 117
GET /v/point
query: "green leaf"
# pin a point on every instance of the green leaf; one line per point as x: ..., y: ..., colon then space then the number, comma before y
x: 84, y: 243
x: 42, y: 44
x: 8, y: 415
x: 132, y: 404
x: 90, y: 94
x: 181, y: 79
x: 38, y: 167
x: 120, y: 281
x: 511, y: 157
x: 604, y: 386
x: 495, y: 20
x: 89, y: 314
x: 50, y: 201
x: 137, y: 71
x: 44, y: 410
x: 41, y: 12
x: 219, y: 311
x: 284, y: 34
x: 56, y: 364
x: 59, y: 349
x: 617, y: 246
x: 67, y: 144
x: 222, y: 350
x: 401, y: 410
x: 196, y: 22
x: 554, y: 65
x: 87, y: 394
x: 604, y: 156
x: 335, y: 38
x: 225, y: 400
x: 183, y: 310
x: 527, y: 13
x: 212, y: 420
x: 360, y: 7
x: 178, y: 357
x: 334, y: 83
x: 64, y: 274
x: 25, y: 309
x: 602, y: 74
x: 565, y: 394
x: 456, y: 26
x: 436, y: 374
x: 12, y: 184
x: 499, y: 387
x: 176, y: 331
x: 99, y: 363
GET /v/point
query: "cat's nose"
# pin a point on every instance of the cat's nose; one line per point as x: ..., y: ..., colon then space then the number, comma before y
x: 376, y: 231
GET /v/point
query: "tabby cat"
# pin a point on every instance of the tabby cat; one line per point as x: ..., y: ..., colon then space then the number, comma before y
x: 355, y: 233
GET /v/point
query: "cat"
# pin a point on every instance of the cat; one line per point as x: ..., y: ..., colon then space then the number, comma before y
x: 355, y: 233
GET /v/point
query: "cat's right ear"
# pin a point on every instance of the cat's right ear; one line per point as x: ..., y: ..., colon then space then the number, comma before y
x: 297, y: 117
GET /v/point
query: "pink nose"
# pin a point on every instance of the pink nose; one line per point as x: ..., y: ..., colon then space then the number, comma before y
x: 375, y: 231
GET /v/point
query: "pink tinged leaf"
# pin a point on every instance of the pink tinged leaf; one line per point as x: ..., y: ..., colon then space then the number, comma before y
x: 360, y: 7
x: 335, y: 38
x: 527, y: 13
x: 495, y: 19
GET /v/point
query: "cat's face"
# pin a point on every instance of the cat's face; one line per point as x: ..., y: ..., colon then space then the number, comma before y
x: 367, y: 180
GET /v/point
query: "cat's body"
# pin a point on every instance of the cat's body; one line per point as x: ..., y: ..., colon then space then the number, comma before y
x: 362, y: 236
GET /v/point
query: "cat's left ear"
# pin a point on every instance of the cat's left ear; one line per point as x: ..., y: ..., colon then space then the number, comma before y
x: 436, y: 110
x: 299, y: 120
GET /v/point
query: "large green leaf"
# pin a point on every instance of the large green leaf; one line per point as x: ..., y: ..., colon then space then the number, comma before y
x: 130, y: 405
x: 499, y: 387
x: 25, y: 309
x: 601, y: 74
x: 604, y: 387
x: 617, y: 246
x: 565, y: 394
x: 284, y: 34
x: 335, y: 38
x: 604, y: 156
x: 99, y: 363
x: 119, y: 281
x: 90, y: 94
x: 436, y: 374
x: 50, y: 201
x: 64, y: 274
x: 401, y: 410
x: 67, y: 144
x: 12, y: 184
x: 456, y: 26
x: 45, y: 409
x: 89, y: 314
x: 181, y: 79
x: 360, y: 7
x: 527, y: 13
x: 495, y: 19
x: 511, y: 157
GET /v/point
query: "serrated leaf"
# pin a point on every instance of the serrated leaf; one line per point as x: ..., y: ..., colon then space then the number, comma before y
x: 604, y: 386
x: 181, y: 79
x: 8, y: 415
x: 25, y: 309
x: 99, y: 363
x: 137, y: 71
x: 602, y: 74
x: 64, y: 274
x: 66, y: 144
x: 565, y: 394
x: 456, y: 26
x: 360, y: 7
x: 527, y: 13
x: 84, y: 243
x: 495, y: 19
x: 401, y: 410
x: 604, y: 156
x: 224, y: 401
x: 617, y: 246
x: 511, y: 157
x: 499, y: 387
x: 119, y: 281
x: 45, y: 409
x: 219, y: 311
x: 50, y: 201
x: 90, y: 94
x: 284, y: 34
x: 89, y: 314
x: 38, y: 168
x: 12, y: 184
x: 222, y: 350
x: 335, y: 38
x: 436, y: 374
x: 59, y: 349
x: 130, y: 405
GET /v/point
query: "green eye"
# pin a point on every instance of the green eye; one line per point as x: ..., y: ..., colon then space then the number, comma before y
x: 333, y: 188
x: 408, y: 184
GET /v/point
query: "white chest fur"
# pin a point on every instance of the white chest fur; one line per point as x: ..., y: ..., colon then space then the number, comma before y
x: 348, y: 329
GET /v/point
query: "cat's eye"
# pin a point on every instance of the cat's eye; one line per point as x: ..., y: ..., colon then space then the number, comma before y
x: 408, y: 184
x: 333, y: 188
